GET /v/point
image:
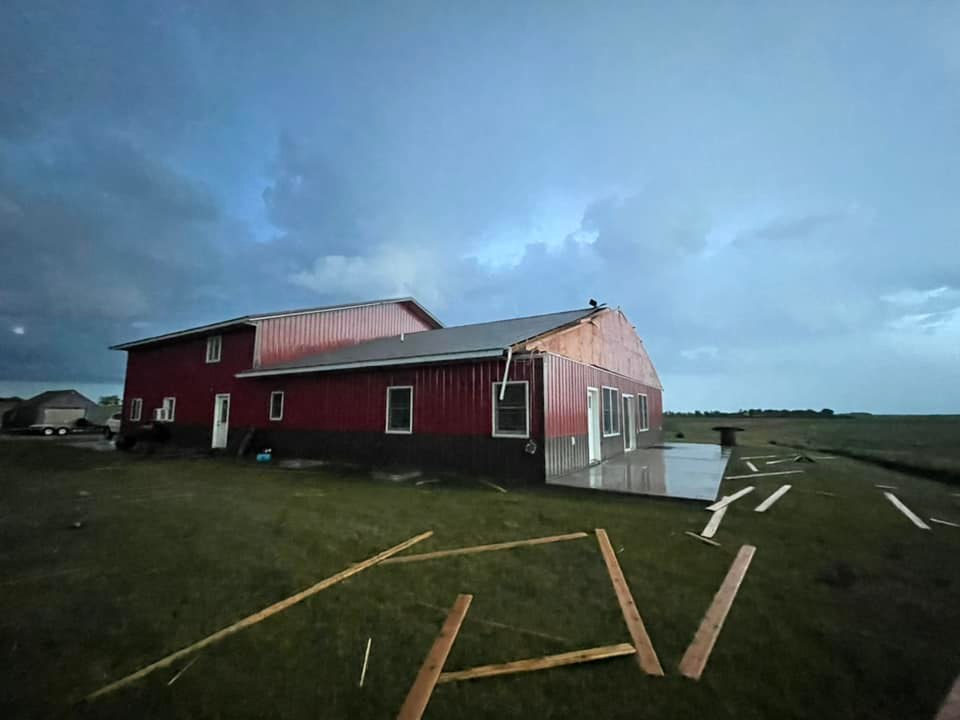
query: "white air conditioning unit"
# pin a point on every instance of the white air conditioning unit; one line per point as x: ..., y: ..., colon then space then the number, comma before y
x: 160, y: 415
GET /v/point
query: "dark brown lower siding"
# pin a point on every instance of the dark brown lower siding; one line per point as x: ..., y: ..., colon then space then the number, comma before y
x: 564, y: 456
x: 504, y: 458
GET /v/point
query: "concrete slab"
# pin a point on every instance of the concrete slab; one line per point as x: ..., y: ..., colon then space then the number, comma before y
x: 690, y: 471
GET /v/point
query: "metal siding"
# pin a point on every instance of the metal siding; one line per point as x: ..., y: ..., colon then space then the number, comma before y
x: 566, y: 398
x: 286, y: 338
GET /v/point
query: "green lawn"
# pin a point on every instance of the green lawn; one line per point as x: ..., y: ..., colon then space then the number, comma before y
x: 847, y: 611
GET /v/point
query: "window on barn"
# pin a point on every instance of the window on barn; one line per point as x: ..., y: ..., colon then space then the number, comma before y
x: 400, y: 409
x: 644, y: 416
x: 511, y: 416
x: 214, y: 342
x: 136, y: 407
x: 169, y: 408
x: 611, y: 411
x: 276, y: 405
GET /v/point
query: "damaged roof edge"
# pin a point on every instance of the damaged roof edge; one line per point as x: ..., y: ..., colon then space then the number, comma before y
x: 254, y: 319
x: 420, y: 359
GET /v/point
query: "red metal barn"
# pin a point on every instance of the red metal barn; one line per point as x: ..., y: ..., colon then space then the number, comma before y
x: 385, y: 383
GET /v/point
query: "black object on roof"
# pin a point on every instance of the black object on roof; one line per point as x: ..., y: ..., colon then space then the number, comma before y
x: 488, y: 339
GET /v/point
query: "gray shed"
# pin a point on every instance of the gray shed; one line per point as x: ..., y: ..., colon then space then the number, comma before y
x: 53, y: 408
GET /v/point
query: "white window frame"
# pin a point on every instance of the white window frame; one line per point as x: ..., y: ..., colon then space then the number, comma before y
x: 169, y: 416
x: 493, y: 410
x: 643, y: 413
x: 211, y: 345
x: 615, y: 416
x: 386, y: 426
x: 282, y: 403
x: 136, y: 409
x: 623, y: 420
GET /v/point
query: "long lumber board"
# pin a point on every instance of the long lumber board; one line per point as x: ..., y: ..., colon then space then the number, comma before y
x: 768, y: 503
x: 261, y: 615
x: 756, y: 475
x: 422, y: 688
x: 720, y: 504
x: 898, y: 504
x: 646, y: 655
x: 695, y: 658
x: 484, y: 548
x: 714, y: 524
x: 542, y: 663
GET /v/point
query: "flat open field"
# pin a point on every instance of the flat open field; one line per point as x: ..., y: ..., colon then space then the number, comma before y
x: 848, y: 610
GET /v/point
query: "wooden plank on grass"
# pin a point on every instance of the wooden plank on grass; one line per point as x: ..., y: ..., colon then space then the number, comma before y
x: 898, y: 504
x: 753, y: 468
x: 485, y: 548
x: 426, y: 679
x: 494, y: 486
x: 261, y: 615
x: 542, y: 663
x: 950, y: 710
x: 711, y: 529
x: 646, y: 655
x: 722, y: 503
x: 770, y: 474
x: 768, y: 503
x: 695, y: 658
x: 701, y: 538
x: 944, y: 522
x: 760, y: 457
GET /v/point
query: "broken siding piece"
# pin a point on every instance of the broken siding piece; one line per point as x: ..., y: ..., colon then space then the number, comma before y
x: 944, y: 522
x: 898, y: 504
x: 752, y: 467
x: 259, y: 616
x: 485, y: 548
x: 701, y: 538
x: 720, y: 504
x: 760, y: 457
x: 543, y: 663
x: 422, y: 688
x: 695, y: 658
x: 646, y: 655
x: 766, y: 504
x: 714, y: 523
x: 770, y: 474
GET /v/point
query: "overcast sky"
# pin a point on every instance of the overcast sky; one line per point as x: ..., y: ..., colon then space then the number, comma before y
x: 770, y: 191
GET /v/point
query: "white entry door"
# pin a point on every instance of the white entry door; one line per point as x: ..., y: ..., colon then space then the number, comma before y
x: 593, y: 424
x: 221, y: 421
x: 629, y: 423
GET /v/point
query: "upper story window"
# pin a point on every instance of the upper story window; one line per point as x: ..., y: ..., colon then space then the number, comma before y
x: 644, y: 413
x: 214, y: 343
x: 611, y: 411
x: 136, y: 407
x: 400, y: 409
x: 276, y: 405
x: 511, y: 415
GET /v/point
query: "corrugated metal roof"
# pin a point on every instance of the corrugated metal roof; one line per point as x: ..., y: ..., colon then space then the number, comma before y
x: 251, y: 319
x: 478, y: 340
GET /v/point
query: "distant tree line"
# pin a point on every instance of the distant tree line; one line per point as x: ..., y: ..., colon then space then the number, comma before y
x: 757, y: 412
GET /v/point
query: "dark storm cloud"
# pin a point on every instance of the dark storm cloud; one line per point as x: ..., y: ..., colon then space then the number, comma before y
x: 769, y: 214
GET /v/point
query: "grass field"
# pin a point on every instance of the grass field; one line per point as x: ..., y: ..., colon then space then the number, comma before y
x: 848, y: 610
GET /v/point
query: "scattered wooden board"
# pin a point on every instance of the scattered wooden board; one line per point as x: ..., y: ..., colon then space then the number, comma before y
x: 766, y: 504
x: 543, y: 663
x: 714, y: 523
x: 783, y: 460
x: 426, y: 679
x: 950, y: 710
x: 182, y: 671
x: 504, y: 626
x: 492, y: 485
x: 760, y: 457
x: 366, y: 659
x: 752, y: 467
x: 261, y: 615
x: 944, y: 522
x: 418, y: 483
x: 720, y: 504
x: 824, y: 492
x: 702, y: 539
x: 898, y: 504
x: 695, y: 658
x: 646, y: 655
x: 484, y: 548
x: 886, y: 487
x: 769, y: 474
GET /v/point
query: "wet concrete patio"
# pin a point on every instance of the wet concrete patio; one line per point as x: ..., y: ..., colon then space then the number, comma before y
x: 691, y: 471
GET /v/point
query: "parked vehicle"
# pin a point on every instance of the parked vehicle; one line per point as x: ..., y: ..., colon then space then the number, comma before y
x: 113, y: 425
